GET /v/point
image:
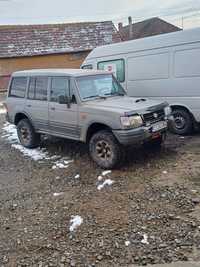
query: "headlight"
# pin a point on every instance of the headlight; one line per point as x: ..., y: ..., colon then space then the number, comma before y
x: 131, y: 121
x: 168, y: 111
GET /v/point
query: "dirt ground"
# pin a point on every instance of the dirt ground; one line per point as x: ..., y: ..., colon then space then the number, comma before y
x: 149, y: 214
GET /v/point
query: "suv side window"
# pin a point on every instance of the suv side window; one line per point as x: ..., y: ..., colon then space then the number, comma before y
x: 18, y: 87
x: 59, y: 86
x: 38, y: 88
x: 116, y: 66
x: 87, y: 67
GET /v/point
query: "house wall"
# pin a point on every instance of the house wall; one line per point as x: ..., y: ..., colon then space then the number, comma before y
x: 9, y: 65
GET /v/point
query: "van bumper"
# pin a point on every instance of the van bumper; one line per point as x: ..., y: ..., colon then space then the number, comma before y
x: 139, y: 135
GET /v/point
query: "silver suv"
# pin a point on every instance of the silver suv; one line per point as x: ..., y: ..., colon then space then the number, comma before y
x: 85, y: 105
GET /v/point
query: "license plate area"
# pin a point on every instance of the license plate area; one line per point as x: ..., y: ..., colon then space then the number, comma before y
x: 159, y: 126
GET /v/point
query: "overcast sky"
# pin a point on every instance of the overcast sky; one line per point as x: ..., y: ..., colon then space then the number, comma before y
x: 51, y: 11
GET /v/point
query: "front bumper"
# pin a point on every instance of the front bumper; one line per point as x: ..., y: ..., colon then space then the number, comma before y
x: 139, y: 135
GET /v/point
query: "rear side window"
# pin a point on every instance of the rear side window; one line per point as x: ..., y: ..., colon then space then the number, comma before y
x: 18, y: 87
x: 116, y: 66
x: 59, y: 86
x: 38, y: 88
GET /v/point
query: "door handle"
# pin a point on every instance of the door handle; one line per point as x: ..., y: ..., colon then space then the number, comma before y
x: 29, y: 106
x: 53, y: 109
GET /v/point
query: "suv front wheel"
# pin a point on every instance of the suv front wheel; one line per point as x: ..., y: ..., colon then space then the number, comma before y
x: 105, y: 149
x: 27, y: 135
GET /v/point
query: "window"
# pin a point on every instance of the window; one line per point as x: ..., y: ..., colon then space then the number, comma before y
x: 116, y: 66
x: 31, y: 90
x: 38, y: 88
x: 18, y: 87
x: 96, y: 86
x: 87, y: 67
x: 59, y: 86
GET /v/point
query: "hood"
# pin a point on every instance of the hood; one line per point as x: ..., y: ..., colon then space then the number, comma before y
x: 128, y: 105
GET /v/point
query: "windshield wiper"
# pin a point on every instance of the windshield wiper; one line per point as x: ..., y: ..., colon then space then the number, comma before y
x: 93, y: 96
x: 115, y: 94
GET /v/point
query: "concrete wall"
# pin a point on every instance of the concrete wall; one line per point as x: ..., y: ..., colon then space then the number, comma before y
x: 9, y: 65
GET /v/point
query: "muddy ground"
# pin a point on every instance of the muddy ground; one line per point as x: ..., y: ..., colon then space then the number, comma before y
x: 150, y: 214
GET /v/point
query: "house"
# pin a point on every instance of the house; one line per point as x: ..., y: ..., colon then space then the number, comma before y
x: 145, y: 28
x: 50, y: 46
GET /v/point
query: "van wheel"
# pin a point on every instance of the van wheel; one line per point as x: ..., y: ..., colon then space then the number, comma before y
x: 105, y: 150
x: 183, y: 122
x: 27, y: 135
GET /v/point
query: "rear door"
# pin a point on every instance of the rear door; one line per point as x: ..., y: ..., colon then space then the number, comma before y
x: 36, y: 104
x: 63, y: 119
x: 16, y: 96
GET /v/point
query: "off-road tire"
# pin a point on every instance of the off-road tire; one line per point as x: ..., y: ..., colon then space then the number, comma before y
x: 32, y: 138
x: 183, y: 122
x: 115, y: 150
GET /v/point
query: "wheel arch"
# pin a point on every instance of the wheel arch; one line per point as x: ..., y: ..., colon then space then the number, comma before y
x: 20, y: 116
x: 183, y: 107
x: 95, y: 127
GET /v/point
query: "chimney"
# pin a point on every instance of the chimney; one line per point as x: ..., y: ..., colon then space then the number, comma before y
x: 130, y: 22
x: 120, y: 26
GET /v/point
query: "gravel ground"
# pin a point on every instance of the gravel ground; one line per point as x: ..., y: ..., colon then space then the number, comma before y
x: 147, y: 212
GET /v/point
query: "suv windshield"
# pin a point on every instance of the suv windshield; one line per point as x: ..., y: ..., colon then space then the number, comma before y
x: 99, y: 86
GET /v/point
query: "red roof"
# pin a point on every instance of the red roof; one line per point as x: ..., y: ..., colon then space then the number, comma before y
x: 147, y: 28
x: 32, y: 40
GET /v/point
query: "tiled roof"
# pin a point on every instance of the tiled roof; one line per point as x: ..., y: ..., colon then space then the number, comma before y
x: 31, y: 40
x: 146, y: 28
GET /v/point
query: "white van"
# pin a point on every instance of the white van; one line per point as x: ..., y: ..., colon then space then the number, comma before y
x: 164, y: 67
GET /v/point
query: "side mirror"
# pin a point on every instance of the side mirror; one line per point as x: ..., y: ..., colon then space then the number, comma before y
x: 64, y: 100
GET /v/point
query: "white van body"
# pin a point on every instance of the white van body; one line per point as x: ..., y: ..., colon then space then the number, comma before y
x: 164, y: 67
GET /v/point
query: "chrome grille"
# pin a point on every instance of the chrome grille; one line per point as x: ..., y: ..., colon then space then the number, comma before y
x: 155, y: 116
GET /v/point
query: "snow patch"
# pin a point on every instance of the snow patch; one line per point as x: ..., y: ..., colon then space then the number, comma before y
x: 145, y: 240
x: 75, y: 222
x: 104, y: 173
x: 37, y: 154
x: 106, y: 182
x: 61, y: 164
x: 100, y: 178
x: 127, y: 243
x: 10, y: 133
x: 58, y: 194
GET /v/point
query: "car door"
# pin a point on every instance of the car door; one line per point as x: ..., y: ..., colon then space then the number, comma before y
x: 36, y: 105
x: 63, y: 118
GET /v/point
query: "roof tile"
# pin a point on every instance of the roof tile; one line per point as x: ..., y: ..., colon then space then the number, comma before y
x: 32, y: 40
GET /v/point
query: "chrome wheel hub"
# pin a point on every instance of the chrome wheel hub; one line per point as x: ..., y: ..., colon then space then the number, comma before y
x: 103, y: 150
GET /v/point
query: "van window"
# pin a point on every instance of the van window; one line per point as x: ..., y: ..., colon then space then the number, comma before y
x: 87, y: 67
x: 59, y: 86
x: 18, y: 87
x: 187, y: 63
x: 38, y: 88
x: 116, y: 66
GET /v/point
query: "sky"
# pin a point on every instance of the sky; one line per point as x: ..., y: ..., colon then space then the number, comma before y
x: 179, y: 12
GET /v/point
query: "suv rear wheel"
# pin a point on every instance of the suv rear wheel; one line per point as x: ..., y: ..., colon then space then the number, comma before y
x: 27, y: 135
x: 183, y: 122
x: 105, y: 149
